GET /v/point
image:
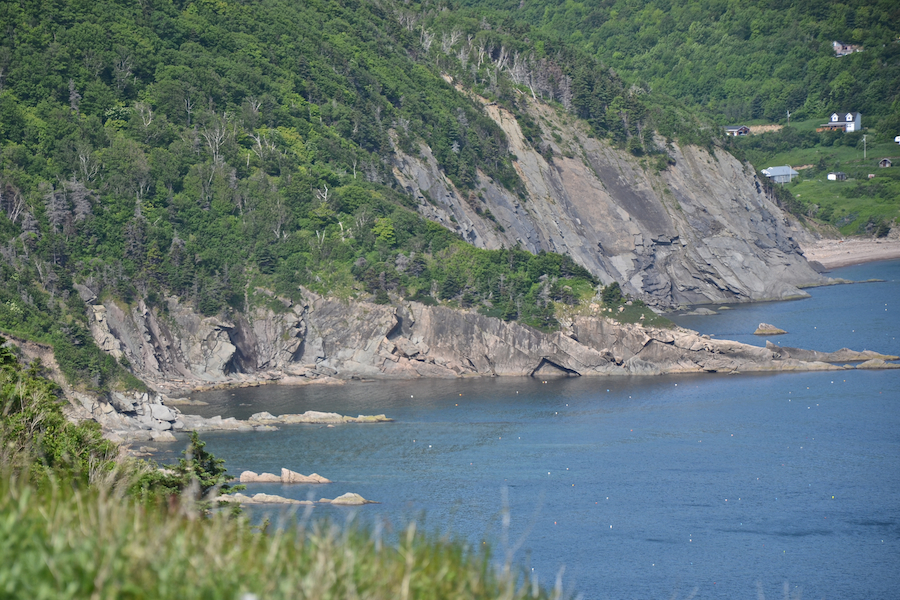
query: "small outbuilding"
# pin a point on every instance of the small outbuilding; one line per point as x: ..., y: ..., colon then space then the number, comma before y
x: 837, y: 176
x: 780, y: 174
x: 884, y: 163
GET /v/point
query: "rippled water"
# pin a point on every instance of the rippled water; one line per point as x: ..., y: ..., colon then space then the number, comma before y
x: 640, y: 487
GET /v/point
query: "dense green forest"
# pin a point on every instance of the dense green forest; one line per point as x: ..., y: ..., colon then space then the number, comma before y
x: 737, y: 61
x: 203, y: 148
x: 199, y: 148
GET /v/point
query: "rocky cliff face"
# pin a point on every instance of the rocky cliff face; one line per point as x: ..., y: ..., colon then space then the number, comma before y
x: 324, y: 339
x: 701, y: 231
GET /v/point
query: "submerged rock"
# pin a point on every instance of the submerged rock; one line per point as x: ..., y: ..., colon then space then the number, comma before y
x: 316, y: 417
x: 260, y: 499
x: 839, y: 356
x: 877, y: 363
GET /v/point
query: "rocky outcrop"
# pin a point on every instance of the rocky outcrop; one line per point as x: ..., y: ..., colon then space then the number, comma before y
x: 348, y: 499
x: 700, y: 231
x: 315, y: 417
x: 260, y: 498
x: 287, y: 476
x: 767, y: 329
x: 839, y: 356
x: 877, y: 363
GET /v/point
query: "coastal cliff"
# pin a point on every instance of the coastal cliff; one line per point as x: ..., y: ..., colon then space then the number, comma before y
x: 324, y: 340
x: 701, y: 230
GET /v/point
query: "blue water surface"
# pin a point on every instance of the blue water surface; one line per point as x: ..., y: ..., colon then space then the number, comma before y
x: 641, y: 487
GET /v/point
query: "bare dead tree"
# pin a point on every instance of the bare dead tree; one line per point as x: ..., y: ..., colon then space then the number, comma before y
x: 323, y: 194
x: 279, y: 214
x: 87, y: 164
x: 188, y: 107
x: 122, y: 69
x: 81, y: 198
x: 362, y: 219
x: 482, y: 50
x: 463, y: 56
x: 74, y: 96
x: 502, y: 60
x: 407, y: 20
x: 11, y: 202
x: 448, y: 41
x: 145, y: 112
x: 254, y: 104
x: 93, y: 62
x: 57, y: 206
x: 427, y: 39
x: 216, y: 133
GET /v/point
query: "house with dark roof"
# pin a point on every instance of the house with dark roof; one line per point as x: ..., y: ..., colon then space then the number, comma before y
x: 780, y: 174
x: 737, y: 130
x: 845, y: 121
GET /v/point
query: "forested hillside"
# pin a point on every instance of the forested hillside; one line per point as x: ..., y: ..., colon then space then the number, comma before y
x: 204, y: 148
x: 733, y: 60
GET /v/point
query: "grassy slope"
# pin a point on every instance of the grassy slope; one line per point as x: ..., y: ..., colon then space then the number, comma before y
x: 75, y: 522
x: 61, y: 543
x: 852, y: 205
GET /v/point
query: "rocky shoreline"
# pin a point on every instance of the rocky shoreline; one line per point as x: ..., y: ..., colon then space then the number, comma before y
x: 326, y: 341
x: 127, y: 418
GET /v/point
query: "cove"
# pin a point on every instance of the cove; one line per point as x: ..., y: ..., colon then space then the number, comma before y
x: 641, y: 487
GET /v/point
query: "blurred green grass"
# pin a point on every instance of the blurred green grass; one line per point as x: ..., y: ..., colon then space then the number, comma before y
x: 60, y: 542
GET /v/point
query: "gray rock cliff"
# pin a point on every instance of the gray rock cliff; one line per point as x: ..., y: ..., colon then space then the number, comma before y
x: 700, y: 231
x: 325, y: 339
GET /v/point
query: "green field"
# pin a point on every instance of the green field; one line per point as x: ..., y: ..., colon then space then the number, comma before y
x: 856, y: 206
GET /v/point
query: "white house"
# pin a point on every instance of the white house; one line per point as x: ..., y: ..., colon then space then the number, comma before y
x: 780, y: 174
x: 845, y: 121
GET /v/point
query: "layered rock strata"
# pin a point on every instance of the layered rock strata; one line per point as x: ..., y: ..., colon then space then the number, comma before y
x: 702, y: 230
x: 325, y: 339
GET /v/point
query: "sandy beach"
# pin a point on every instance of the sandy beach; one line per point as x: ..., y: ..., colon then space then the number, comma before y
x: 841, y: 253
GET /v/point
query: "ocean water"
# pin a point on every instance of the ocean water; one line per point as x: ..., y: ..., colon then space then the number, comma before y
x: 722, y: 486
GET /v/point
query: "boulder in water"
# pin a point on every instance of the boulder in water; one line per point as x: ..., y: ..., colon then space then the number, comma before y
x: 766, y: 329
x: 288, y: 476
x: 348, y: 499
x: 251, y: 477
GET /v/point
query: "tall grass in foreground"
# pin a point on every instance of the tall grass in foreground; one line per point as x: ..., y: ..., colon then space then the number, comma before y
x: 61, y: 542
